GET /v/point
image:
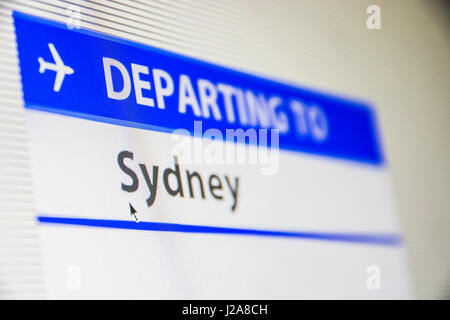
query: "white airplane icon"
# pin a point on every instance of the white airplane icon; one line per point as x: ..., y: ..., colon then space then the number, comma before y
x: 58, y: 66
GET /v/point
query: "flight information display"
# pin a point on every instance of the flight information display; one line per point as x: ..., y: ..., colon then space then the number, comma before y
x: 157, y: 175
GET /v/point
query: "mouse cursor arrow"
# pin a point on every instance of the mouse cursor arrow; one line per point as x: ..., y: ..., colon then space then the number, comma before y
x: 133, y: 212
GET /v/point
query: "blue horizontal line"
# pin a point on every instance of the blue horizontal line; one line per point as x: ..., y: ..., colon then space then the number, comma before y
x: 373, y: 239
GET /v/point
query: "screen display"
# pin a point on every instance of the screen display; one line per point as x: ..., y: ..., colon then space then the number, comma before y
x: 158, y: 175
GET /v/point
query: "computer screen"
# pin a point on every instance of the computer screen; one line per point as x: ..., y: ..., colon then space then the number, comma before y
x: 222, y: 150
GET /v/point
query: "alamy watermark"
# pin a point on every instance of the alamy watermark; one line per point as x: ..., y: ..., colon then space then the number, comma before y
x: 73, y: 278
x: 234, y: 147
x: 74, y: 17
x: 373, y: 21
x: 373, y: 281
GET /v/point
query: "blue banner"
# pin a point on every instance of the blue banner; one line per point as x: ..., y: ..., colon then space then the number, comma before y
x: 90, y: 75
